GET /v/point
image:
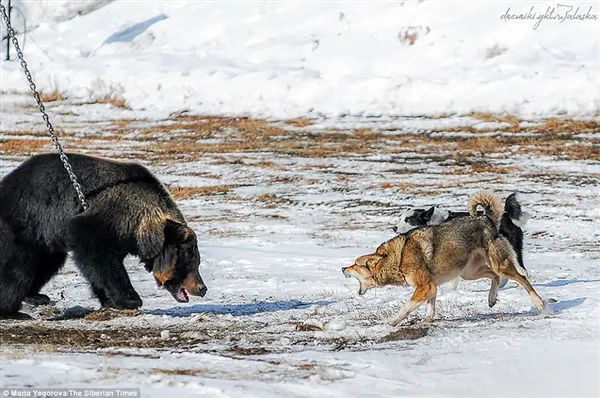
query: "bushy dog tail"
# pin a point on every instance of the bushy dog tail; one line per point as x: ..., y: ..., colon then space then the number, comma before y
x: 513, y: 209
x: 492, y: 206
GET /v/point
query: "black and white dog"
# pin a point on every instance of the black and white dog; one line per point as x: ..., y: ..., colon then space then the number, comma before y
x: 511, y: 226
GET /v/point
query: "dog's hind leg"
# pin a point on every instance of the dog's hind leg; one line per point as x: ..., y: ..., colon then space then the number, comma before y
x: 504, y: 262
x: 421, y: 294
x: 453, y: 284
x: 503, y: 282
x: 483, y: 271
x: 521, y: 280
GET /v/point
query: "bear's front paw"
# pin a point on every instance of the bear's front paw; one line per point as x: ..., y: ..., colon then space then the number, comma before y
x: 37, y: 299
x: 130, y: 302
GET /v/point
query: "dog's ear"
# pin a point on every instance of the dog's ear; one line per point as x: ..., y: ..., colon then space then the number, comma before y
x: 364, y: 261
x: 426, y: 216
x: 373, y: 260
x: 175, y: 232
x: 383, y: 249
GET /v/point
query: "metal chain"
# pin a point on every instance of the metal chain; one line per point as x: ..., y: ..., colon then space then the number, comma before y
x: 63, y: 157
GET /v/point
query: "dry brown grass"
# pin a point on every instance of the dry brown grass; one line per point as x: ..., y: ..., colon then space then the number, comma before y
x: 22, y: 147
x: 308, y: 327
x: 41, y: 132
x: 299, y: 122
x: 406, y: 333
x: 554, y: 125
x: 194, y: 137
x: 490, y: 117
x: 363, y: 132
x: 316, y: 166
x: 204, y: 127
x: 108, y: 314
x: 306, y: 366
x: 201, y: 174
x: 549, y: 126
x: 236, y: 350
x: 124, y: 124
x: 184, y: 193
x: 268, y: 165
x: 225, y: 140
x: 401, y: 186
x: 118, y: 102
x: 80, y: 338
x: 493, y: 169
x: 267, y: 198
x: 27, y: 105
x: 178, y: 372
x: 481, y: 144
x: 283, y: 180
x: 52, y: 96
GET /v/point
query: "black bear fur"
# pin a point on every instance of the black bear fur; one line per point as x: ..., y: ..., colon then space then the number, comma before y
x: 130, y: 212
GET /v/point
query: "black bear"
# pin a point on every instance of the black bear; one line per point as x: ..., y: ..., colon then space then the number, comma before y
x: 130, y: 212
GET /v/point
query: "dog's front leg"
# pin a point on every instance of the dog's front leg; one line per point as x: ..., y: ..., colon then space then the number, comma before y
x: 421, y: 294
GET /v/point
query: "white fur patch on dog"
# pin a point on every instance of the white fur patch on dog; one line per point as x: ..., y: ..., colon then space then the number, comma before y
x: 403, y: 227
x: 522, y: 220
x: 438, y: 217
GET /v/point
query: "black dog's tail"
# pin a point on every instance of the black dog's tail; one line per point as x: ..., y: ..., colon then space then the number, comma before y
x: 513, y: 210
x: 492, y: 206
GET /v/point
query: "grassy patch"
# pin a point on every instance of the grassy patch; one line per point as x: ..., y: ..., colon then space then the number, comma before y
x: 183, y: 193
x: 52, y: 96
x: 22, y: 147
x: 178, y: 372
x: 300, y: 122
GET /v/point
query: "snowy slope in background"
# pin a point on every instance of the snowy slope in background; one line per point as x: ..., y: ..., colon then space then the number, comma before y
x: 286, y: 59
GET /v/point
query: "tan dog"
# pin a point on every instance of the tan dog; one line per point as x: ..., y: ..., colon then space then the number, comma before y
x: 469, y: 247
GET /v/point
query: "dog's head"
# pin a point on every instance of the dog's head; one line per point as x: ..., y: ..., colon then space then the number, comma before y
x: 380, y: 268
x: 413, y: 218
x: 175, y: 268
x: 362, y: 269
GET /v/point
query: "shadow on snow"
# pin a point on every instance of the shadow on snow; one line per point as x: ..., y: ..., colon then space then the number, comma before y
x: 239, y: 309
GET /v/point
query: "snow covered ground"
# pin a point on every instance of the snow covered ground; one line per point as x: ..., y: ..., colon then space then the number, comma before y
x: 280, y: 319
x: 287, y: 59
x: 281, y: 205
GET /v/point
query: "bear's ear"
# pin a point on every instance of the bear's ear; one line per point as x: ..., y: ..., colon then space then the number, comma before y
x: 175, y: 233
x: 426, y: 216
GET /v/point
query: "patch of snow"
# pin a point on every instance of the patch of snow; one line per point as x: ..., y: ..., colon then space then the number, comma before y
x: 285, y: 59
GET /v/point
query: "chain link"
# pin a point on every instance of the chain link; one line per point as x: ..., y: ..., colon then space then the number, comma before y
x: 63, y: 157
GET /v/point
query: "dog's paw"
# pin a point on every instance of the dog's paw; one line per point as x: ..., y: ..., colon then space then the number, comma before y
x: 547, y: 309
x: 492, y: 302
x: 393, y: 322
